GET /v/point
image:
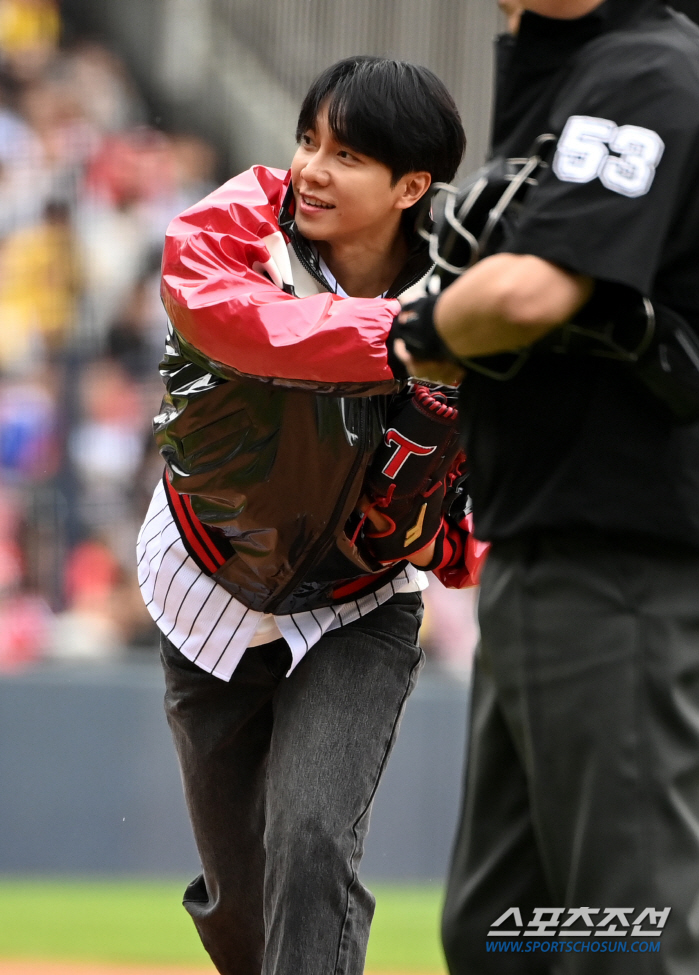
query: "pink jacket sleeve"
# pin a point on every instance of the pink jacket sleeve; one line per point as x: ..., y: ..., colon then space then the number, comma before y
x: 220, y: 300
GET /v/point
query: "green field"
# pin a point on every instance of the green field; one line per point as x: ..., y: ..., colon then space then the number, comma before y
x: 143, y: 922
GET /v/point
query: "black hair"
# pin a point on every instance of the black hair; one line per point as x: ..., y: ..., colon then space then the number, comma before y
x: 398, y: 113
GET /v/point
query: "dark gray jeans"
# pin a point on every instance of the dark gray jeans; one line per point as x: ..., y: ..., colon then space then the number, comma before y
x: 583, y: 766
x: 279, y: 776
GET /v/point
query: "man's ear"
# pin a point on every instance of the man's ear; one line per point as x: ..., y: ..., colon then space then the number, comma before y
x: 413, y: 186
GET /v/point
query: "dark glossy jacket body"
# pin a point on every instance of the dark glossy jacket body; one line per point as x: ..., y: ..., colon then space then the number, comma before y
x: 273, y: 464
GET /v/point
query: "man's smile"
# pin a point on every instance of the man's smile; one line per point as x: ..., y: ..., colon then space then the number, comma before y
x: 313, y: 201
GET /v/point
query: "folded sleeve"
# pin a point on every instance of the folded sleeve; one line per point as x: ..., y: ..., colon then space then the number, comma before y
x: 226, y: 287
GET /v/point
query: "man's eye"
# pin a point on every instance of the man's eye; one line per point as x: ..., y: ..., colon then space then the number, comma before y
x: 345, y: 154
x: 306, y: 140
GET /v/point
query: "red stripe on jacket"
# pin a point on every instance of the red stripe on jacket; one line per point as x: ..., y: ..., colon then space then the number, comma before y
x: 193, y: 530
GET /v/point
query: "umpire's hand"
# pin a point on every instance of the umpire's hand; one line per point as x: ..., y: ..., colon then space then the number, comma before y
x: 503, y: 303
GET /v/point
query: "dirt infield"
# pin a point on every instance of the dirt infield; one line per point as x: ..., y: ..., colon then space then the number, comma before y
x: 9, y: 967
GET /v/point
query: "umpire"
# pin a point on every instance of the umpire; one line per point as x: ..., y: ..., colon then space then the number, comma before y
x: 583, y: 766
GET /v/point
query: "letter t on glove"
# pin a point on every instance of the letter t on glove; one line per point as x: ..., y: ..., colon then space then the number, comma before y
x: 408, y: 477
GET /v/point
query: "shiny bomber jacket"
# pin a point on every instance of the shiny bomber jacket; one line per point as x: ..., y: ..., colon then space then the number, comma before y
x: 277, y: 391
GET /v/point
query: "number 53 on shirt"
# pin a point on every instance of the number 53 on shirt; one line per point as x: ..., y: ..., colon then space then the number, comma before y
x: 624, y: 158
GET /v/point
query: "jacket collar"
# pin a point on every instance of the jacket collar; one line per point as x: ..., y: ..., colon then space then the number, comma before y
x: 615, y: 13
x: 569, y: 35
x: 416, y: 267
x: 573, y: 34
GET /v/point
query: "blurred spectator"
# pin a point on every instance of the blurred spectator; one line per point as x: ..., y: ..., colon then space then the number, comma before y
x: 102, y: 88
x: 29, y: 447
x: 10, y: 552
x: 106, y: 445
x: 54, y: 112
x: 195, y: 168
x: 87, y: 629
x: 29, y: 34
x: 25, y: 628
x: 106, y: 448
x: 25, y: 182
x: 105, y: 612
x: 129, y: 200
x: 136, y: 336
x: 132, y: 168
x: 68, y: 141
x: 25, y: 618
x: 38, y: 290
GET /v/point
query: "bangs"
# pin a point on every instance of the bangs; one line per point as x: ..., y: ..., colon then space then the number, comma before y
x: 347, y: 93
x: 358, y: 118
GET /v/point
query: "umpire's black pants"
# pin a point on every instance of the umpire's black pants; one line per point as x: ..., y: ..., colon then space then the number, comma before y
x: 583, y: 765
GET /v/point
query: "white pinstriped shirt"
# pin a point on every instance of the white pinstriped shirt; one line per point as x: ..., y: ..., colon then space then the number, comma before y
x: 212, y: 628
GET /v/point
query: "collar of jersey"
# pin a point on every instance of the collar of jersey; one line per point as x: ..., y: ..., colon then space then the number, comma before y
x: 608, y: 16
x: 544, y: 45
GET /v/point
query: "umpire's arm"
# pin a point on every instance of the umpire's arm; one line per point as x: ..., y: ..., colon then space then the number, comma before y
x: 506, y: 302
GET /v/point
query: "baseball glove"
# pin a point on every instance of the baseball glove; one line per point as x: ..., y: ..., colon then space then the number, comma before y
x: 414, y: 476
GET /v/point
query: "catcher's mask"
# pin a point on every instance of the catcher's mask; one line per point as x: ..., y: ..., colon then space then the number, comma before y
x: 474, y: 219
x: 466, y: 223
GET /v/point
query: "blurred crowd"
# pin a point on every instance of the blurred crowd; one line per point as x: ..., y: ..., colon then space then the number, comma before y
x: 87, y: 189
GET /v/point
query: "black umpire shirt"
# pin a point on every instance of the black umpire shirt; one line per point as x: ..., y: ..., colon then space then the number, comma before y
x: 575, y: 442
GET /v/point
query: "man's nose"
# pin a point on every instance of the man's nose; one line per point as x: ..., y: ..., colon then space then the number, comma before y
x: 316, y: 169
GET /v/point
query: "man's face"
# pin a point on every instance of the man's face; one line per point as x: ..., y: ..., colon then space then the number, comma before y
x: 561, y: 9
x: 341, y: 195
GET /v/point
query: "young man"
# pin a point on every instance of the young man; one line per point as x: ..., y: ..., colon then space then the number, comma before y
x: 582, y: 801
x: 289, y: 649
